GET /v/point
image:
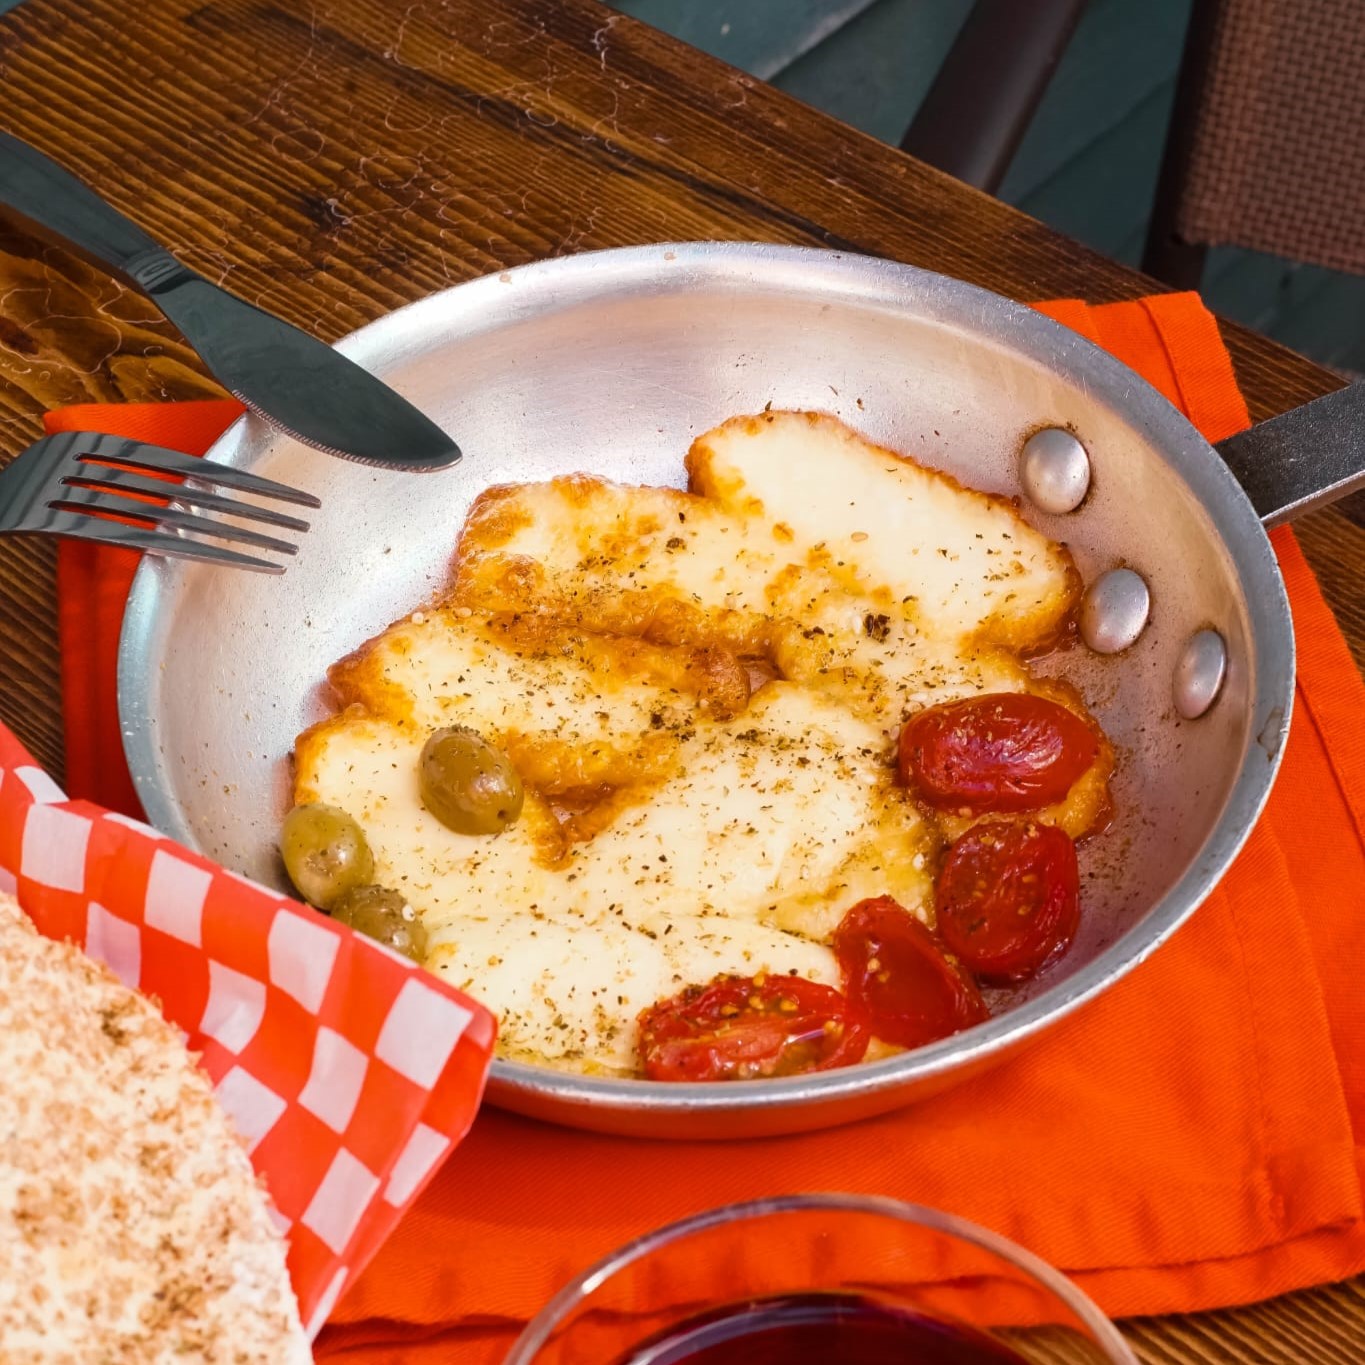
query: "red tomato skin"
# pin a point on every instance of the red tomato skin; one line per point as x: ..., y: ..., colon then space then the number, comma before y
x: 898, y: 975
x: 1008, y: 898
x: 717, y: 1032
x: 1003, y: 751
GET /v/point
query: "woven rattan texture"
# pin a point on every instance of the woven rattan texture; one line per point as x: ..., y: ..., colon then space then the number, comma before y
x: 1277, y: 159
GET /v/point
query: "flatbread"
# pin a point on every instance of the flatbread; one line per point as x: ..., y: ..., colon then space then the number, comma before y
x: 132, y: 1227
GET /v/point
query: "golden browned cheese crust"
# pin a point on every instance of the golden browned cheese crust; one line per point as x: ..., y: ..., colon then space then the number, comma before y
x: 135, y: 1230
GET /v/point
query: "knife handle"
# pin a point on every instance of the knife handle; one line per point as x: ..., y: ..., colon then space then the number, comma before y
x: 39, y: 190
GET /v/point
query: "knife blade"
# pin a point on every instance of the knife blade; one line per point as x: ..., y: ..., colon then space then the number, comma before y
x: 293, y: 380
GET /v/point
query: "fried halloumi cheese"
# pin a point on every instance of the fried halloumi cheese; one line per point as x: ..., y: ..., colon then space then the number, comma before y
x: 701, y: 692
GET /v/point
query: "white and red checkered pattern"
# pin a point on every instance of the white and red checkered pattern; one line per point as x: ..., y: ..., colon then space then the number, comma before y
x: 350, y: 1073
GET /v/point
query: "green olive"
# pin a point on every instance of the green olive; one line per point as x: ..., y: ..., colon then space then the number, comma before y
x: 384, y: 915
x: 325, y: 853
x: 467, y: 784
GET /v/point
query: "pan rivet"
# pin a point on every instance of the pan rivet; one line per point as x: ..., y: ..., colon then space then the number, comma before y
x: 1114, y: 610
x: 1055, y: 470
x: 1199, y: 673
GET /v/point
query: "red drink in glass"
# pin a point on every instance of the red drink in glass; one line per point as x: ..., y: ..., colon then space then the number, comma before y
x: 819, y: 1329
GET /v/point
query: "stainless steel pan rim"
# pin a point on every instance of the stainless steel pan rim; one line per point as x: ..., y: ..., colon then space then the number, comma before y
x: 545, y: 287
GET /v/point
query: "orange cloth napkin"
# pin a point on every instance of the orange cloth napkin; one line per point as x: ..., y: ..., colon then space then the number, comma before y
x: 1191, y: 1139
x: 92, y: 588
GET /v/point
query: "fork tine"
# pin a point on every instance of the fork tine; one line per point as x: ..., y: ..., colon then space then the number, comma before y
x: 122, y: 482
x: 77, y: 483
x: 154, y: 542
x: 101, y: 505
x: 161, y: 459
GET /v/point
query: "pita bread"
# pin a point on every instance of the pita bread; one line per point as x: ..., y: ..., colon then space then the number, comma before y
x: 133, y: 1227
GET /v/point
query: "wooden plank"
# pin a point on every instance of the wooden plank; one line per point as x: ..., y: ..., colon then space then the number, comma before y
x: 1315, y: 1327
x: 874, y: 72
x: 761, y: 37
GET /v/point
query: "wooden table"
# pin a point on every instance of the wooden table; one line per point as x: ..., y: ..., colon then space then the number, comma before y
x: 332, y: 159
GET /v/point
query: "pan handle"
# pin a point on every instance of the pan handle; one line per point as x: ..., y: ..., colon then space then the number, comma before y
x: 1305, y: 458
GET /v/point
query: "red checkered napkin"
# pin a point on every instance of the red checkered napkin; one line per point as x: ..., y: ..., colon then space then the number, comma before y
x: 349, y: 1072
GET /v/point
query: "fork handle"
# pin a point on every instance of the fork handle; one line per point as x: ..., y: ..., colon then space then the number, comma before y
x: 38, y: 189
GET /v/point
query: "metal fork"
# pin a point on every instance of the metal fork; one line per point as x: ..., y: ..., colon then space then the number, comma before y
x: 94, y: 486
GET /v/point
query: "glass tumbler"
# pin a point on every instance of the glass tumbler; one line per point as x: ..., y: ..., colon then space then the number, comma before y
x: 821, y: 1279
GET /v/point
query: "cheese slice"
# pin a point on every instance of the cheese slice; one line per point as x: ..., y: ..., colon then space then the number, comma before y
x: 962, y: 562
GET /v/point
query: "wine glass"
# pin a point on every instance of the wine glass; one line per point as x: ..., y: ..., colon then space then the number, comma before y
x: 821, y: 1279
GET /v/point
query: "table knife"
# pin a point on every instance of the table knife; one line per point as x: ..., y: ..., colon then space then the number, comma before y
x: 296, y: 382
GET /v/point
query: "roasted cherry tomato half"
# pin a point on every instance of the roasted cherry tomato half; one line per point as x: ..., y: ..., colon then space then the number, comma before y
x: 1009, y: 898
x: 1004, y: 751
x: 897, y: 974
x: 742, y: 1027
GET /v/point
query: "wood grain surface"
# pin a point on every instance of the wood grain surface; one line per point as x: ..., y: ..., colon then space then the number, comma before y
x: 333, y: 159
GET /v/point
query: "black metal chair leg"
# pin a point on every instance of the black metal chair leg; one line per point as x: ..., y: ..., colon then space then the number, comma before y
x: 977, y: 110
x: 1179, y: 264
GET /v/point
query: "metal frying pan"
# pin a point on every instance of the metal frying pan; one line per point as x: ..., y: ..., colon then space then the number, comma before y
x: 612, y: 362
